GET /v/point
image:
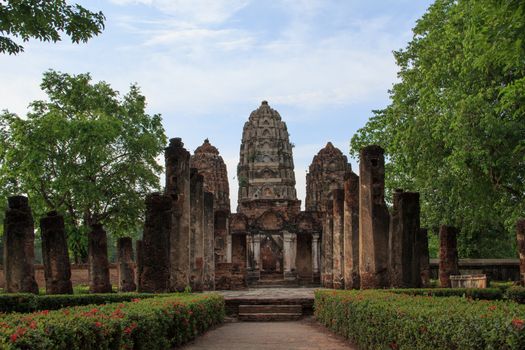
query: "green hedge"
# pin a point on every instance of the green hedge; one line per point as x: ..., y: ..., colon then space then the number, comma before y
x: 384, y: 320
x: 22, y: 302
x: 516, y: 294
x: 473, y: 293
x: 156, y: 323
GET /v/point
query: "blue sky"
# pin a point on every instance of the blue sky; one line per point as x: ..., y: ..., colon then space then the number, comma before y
x: 206, y: 64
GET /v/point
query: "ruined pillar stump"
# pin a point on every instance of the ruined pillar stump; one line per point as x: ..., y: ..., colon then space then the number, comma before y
x: 448, y: 254
x: 424, y: 258
x: 19, y: 249
x: 98, y: 263
x: 315, y: 257
x: 209, y: 242
x: 404, y: 228
x: 55, y: 256
x: 154, y: 257
x: 327, y: 246
x: 374, y: 219
x: 338, y: 239
x: 520, y: 237
x: 139, y: 247
x: 126, y: 271
x: 289, y: 249
x: 351, y: 231
x: 196, y: 230
x: 178, y: 188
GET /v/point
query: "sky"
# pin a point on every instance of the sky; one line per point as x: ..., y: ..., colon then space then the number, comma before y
x: 204, y: 65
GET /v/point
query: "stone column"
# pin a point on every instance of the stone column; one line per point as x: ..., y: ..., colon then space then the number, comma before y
x: 154, y: 256
x: 126, y: 272
x: 327, y: 246
x: 520, y: 237
x: 351, y: 231
x: 55, y: 256
x: 315, y: 256
x: 139, y: 248
x: 448, y: 254
x: 19, y: 248
x: 373, y: 219
x: 338, y: 242
x: 404, y: 227
x: 249, y: 252
x: 288, y: 255
x: 209, y: 242
x: 197, y: 230
x: 424, y: 258
x: 257, y: 251
x: 229, y: 248
x: 178, y: 188
x: 98, y: 263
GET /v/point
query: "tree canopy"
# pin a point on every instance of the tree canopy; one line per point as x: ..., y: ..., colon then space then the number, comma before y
x: 46, y: 21
x: 455, y: 127
x: 87, y: 152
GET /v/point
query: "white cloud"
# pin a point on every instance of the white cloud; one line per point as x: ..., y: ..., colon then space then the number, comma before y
x: 194, y: 11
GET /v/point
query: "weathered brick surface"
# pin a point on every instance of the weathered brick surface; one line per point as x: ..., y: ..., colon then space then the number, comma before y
x: 125, y: 265
x: 351, y: 231
x: 154, y: 256
x: 178, y: 188
x: 55, y: 255
x: 373, y: 219
x: 98, y: 260
x: 338, y: 238
x: 19, y: 249
x: 424, y: 258
x: 448, y: 254
x: 327, y: 246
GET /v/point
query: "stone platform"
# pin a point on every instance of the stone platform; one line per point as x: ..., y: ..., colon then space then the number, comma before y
x: 269, y: 296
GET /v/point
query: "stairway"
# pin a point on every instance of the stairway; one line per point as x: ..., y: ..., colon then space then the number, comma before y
x: 265, y: 313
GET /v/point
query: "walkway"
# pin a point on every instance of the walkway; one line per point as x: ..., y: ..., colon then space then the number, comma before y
x: 296, y: 335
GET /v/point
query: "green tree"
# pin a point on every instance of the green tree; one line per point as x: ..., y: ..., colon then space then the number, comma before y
x: 86, y: 152
x: 455, y: 127
x: 45, y: 20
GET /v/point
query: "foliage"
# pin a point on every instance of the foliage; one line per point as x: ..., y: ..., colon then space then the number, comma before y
x: 455, y: 127
x: 25, y: 302
x: 516, y: 294
x: 86, y: 152
x: 156, y: 323
x: 45, y: 21
x: 473, y: 293
x: 382, y: 320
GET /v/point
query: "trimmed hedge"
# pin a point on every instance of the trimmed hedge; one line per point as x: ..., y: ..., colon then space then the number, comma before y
x: 473, y: 293
x: 157, y: 323
x: 375, y: 319
x: 22, y: 302
x: 516, y: 294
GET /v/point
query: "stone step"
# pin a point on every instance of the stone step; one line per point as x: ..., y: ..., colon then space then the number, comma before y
x: 264, y: 317
x: 269, y: 309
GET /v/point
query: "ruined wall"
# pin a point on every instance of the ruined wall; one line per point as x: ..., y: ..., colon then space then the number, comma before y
x: 178, y: 188
x: 351, y: 231
x: 448, y: 254
x: 373, y: 219
x: 404, y: 227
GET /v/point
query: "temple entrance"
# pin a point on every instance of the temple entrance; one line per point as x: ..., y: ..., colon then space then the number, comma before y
x: 271, y: 254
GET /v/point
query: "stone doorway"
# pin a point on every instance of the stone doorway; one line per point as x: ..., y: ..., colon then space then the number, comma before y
x: 271, y: 254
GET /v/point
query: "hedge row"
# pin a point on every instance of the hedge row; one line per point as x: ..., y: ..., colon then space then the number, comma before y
x: 385, y: 320
x: 516, y: 294
x: 474, y: 293
x: 157, y: 323
x: 22, y: 302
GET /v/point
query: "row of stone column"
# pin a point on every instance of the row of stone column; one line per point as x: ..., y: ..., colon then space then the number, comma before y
x: 19, y: 254
x: 177, y: 249
x: 363, y: 245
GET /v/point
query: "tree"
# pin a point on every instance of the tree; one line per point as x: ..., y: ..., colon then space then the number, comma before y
x: 87, y: 153
x: 45, y: 21
x: 455, y: 127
